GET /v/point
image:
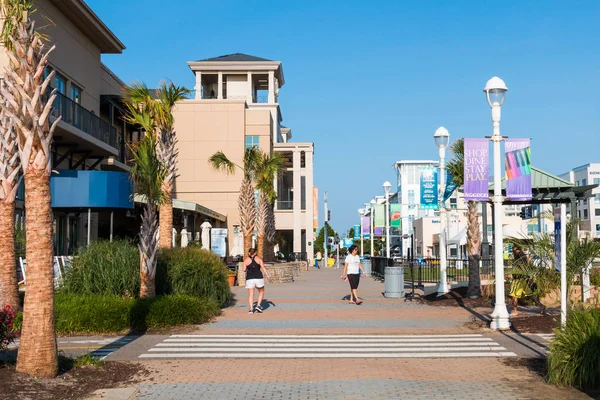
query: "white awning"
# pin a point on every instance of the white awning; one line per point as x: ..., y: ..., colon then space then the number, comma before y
x: 460, y: 238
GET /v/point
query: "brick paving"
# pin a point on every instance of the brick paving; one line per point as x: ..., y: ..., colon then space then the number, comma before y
x: 316, y: 305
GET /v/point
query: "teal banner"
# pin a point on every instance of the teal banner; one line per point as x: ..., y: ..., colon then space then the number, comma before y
x: 429, y: 189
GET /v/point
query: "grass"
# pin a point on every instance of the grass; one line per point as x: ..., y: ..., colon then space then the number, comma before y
x: 87, y: 360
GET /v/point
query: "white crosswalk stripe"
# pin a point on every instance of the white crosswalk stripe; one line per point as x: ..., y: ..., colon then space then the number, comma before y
x: 327, y: 346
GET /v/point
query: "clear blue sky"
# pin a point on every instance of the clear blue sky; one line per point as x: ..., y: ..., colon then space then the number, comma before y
x: 369, y: 83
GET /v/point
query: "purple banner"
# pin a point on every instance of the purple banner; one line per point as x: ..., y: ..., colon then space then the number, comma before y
x: 378, y: 231
x: 517, y: 163
x: 476, y: 169
x: 366, y: 225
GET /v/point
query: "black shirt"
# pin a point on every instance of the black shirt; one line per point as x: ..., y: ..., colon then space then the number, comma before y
x: 253, y: 270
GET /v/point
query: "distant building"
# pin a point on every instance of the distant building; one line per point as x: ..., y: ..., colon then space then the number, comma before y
x: 588, y: 210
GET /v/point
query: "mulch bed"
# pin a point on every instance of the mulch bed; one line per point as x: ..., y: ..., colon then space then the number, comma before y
x: 456, y: 298
x: 535, y: 323
x: 71, y: 383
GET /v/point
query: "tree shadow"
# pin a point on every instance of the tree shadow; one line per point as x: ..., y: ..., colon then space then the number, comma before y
x: 266, y: 304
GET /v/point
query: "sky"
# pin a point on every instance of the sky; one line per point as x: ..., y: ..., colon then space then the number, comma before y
x: 370, y: 82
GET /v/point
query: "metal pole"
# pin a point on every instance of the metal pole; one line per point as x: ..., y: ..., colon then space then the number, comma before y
x: 500, y: 315
x: 387, y: 224
x: 111, y: 225
x: 89, y: 227
x: 372, y: 238
x: 337, y: 255
x: 563, y: 264
x: 361, y: 235
x: 325, y: 227
x: 443, y: 285
x: 485, y: 246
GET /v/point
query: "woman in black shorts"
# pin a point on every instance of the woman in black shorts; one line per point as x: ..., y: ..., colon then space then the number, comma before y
x: 351, y: 271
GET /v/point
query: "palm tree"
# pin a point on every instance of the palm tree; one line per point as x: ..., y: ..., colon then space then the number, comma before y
x: 268, y: 169
x: 28, y: 108
x: 162, y: 110
x: 456, y: 169
x: 148, y: 174
x: 10, y: 166
x: 246, y: 199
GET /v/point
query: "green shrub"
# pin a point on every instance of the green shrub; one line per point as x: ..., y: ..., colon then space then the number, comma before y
x: 595, y: 277
x: 87, y: 314
x: 180, y: 309
x: 92, y: 314
x: 574, y: 358
x: 105, y: 268
x: 194, y: 272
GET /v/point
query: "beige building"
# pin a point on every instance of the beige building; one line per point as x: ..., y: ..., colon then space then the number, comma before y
x: 235, y: 107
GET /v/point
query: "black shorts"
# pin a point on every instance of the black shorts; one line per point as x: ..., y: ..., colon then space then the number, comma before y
x: 353, y: 279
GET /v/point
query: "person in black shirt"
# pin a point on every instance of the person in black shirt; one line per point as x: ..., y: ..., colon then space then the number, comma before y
x: 255, y: 273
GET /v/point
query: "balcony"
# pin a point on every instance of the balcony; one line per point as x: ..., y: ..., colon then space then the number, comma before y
x: 84, y: 120
x: 285, y: 205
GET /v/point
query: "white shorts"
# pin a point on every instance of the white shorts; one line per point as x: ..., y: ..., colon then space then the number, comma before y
x: 252, y: 283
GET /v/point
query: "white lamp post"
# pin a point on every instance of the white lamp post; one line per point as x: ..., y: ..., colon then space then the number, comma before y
x: 368, y: 211
x: 386, y: 187
x: 372, y: 208
x: 442, y: 137
x: 495, y: 89
x: 361, y: 212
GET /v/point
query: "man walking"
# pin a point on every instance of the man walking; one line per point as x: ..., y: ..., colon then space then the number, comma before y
x: 318, y: 259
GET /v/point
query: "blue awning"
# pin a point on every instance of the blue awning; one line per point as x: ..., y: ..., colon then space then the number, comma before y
x: 91, y: 189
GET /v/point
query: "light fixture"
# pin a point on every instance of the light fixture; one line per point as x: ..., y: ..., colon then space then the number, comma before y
x: 441, y: 137
x: 387, y: 187
x: 495, y: 89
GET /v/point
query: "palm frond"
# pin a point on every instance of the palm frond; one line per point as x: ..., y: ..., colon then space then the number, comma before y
x: 11, y: 10
x: 147, y: 172
x: 456, y: 165
x: 220, y: 162
x: 251, y: 160
x: 167, y: 95
x: 269, y: 167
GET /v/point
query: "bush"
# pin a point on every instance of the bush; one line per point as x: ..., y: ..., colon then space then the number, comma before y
x: 193, y: 272
x: 595, y: 277
x: 7, y: 332
x: 574, y: 358
x: 87, y: 314
x: 105, y: 268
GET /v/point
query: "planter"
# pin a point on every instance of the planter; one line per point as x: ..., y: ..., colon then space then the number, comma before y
x: 231, y: 279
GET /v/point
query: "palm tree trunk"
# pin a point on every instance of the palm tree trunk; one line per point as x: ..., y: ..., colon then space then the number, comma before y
x: 9, y: 290
x: 473, y: 247
x: 147, y: 285
x: 247, y: 244
x: 148, y: 251
x: 166, y: 224
x: 37, y: 351
x: 260, y: 246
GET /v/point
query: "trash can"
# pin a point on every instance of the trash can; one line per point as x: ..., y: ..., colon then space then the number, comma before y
x: 366, y: 264
x: 394, y: 282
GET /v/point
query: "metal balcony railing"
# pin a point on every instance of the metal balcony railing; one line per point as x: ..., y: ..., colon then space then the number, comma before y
x: 81, y: 118
x: 283, y: 205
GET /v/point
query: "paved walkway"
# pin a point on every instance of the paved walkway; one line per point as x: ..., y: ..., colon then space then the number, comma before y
x: 311, y: 344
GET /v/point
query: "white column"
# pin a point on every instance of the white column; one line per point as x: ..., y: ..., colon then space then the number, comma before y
x: 220, y: 86
x: 387, y: 224
x: 361, y: 234
x: 198, y: 87
x: 271, y: 87
x: 443, y: 285
x: 297, y: 199
x: 563, y: 264
x: 500, y: 314
x: 89, y: 226
x: 308, y: 172
x: 372, y: 237
x: 250, y: 96
x: 111, y: 225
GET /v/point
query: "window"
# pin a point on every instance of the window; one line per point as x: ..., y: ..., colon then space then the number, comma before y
x: 585, y: 213
x: 411, y: 220
x: 303, y: 193
x: 597, y: 227
x: 453, y: 204
x: 60, y: 83
x: 597, y: 211
x: 532, y: 228
x: 597, y: 198
x: 251, y: 141
x: 75, y: 93
x: 411, y: 197
x: 596, y: 181
x: 577, y: 183
x: 583, y: 182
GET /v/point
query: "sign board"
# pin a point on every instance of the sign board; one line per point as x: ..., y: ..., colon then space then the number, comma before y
x: 356, y: 231
x: 218, y: 242
x: 557, y: 234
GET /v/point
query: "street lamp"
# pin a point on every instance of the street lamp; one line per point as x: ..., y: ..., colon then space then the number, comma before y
x: 495, y: 89
x: 372, y: 208
x: 361, y: 212
x: 386, y: 187
x: 441, y: 138
x: 367, y: 211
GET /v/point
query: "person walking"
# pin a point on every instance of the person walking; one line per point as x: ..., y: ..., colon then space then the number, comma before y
x: 351, y: 272
x: 255, y: 273
x: 318, y: 259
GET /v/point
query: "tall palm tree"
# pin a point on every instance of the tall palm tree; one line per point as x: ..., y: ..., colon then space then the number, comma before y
x: 29, y: 110
x: 10, y: 166
x: 148, y: 174
x: 269, y: 168
x: 246, y: 199
x: 167, y: 95
x: 456, y: 169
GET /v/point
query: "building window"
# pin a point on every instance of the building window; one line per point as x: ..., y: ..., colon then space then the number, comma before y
x: 597, y: 228
x: 597, y: 198
x: 60, y: 83
x: 585, y: 213
x: 251, y: 141
x: 532, y: 228
x: 596, y: 181
x: 303, y: 193
x: 597, y: 212
x: 577, y: 183
x: 411, y: 196
x: 453, y: 204
x: 583, y: 182
x: 411, y: 220
x: 75, y: 93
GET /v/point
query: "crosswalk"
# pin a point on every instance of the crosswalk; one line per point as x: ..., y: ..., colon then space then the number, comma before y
x: 327, y: 346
